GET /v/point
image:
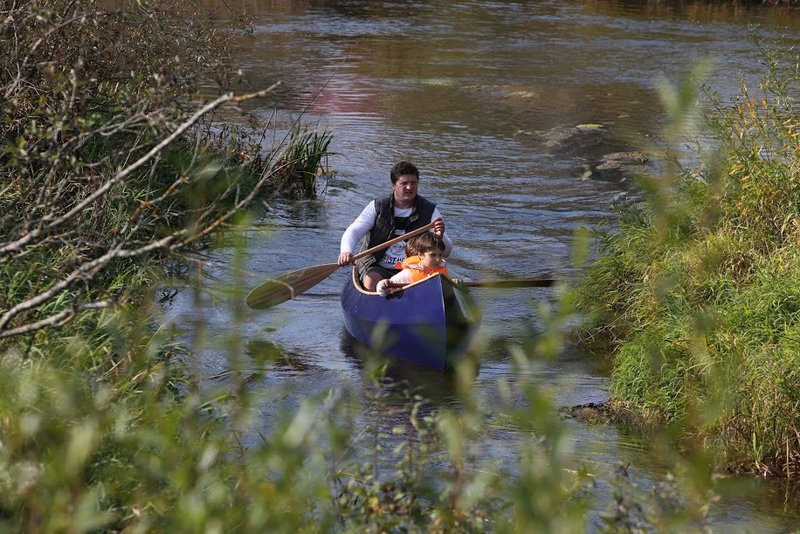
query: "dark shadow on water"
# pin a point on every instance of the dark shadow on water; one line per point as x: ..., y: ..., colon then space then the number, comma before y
x: 264, y: 353
x: 437, y: 387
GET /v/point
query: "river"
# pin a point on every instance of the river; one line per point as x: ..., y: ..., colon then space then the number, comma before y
x: 505, y: 107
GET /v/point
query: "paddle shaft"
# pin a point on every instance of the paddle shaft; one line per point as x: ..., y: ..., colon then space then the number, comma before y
x: 535, y: 282
x: 499, y: 284
x: 387, y: 244
x: 290, y: 284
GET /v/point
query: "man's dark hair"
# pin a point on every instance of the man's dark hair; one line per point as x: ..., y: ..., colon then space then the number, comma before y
x: 401, y: 168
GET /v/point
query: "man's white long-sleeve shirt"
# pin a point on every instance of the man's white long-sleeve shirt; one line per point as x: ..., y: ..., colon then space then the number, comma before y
x: 355, y: 233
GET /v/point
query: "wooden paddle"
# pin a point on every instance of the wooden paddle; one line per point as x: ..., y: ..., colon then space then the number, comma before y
x: 500, y: 284
x: 290, y: 284
x: 534, y: 282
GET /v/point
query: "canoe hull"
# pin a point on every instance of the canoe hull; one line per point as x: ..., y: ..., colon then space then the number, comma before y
x: 429, y: 323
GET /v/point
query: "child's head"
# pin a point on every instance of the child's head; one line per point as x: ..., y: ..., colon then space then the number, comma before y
x: 419, y: 245
x: 430, y: 249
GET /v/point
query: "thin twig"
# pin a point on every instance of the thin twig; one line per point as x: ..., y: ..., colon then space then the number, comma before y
x: 127, y: 171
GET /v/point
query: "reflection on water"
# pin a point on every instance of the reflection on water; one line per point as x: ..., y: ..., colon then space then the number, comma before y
x: 503, y: 106
x: 439, y: 389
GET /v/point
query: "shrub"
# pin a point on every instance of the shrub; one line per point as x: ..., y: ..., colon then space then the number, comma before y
x: 106, y: 164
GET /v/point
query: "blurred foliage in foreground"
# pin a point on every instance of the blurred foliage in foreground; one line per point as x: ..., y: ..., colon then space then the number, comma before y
x: 109, y: 173
x: 697, y: 295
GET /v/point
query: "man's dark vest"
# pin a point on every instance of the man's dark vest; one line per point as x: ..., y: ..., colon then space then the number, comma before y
x: 386, y: 223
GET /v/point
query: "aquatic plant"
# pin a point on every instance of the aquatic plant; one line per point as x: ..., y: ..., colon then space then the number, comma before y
x: 302, y: 161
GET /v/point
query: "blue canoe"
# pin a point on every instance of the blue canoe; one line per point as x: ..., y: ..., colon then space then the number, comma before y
x: 430, y: 322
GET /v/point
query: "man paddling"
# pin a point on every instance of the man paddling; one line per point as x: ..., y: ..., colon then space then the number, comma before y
x: 384, y: 218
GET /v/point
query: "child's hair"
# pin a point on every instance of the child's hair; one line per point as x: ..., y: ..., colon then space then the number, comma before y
x: 424, y: 243
x: 411, y: 249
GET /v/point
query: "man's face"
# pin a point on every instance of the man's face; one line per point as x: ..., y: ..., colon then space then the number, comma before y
x: 405, y: 190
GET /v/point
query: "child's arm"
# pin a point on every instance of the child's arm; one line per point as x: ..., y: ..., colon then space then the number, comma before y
x: 403, y: 277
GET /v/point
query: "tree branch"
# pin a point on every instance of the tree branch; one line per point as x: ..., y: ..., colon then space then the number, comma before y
x: 124, y: 173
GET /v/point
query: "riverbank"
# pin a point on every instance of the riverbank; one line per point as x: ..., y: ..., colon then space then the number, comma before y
x: 696, y: 297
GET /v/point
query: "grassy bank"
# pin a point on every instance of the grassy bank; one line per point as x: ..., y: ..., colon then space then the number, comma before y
x: 109, y: 161
x: 697, y: 296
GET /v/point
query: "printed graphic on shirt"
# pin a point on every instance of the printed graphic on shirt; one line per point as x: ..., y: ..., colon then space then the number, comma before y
x: 394, y: 254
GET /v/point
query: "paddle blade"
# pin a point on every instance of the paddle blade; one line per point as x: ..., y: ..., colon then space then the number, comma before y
x: 288, y: 285
x: 538, y: 282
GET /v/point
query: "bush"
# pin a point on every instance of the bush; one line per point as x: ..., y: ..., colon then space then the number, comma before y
x: 106, y: 164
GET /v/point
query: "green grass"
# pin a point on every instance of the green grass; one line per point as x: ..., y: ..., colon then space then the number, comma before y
x: 695, y: 297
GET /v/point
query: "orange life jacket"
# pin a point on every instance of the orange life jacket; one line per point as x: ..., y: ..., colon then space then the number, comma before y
x: 417, y: 272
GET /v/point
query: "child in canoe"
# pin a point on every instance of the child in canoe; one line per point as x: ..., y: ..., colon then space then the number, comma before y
x: 424, y: 258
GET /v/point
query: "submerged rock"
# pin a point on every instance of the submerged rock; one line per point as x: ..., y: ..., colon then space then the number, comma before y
x: 619, y: 165
x: 586, y: 138
x: 604, y: 155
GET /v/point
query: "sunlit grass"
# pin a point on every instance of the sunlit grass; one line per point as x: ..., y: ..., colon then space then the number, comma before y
x: 696, y: 295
